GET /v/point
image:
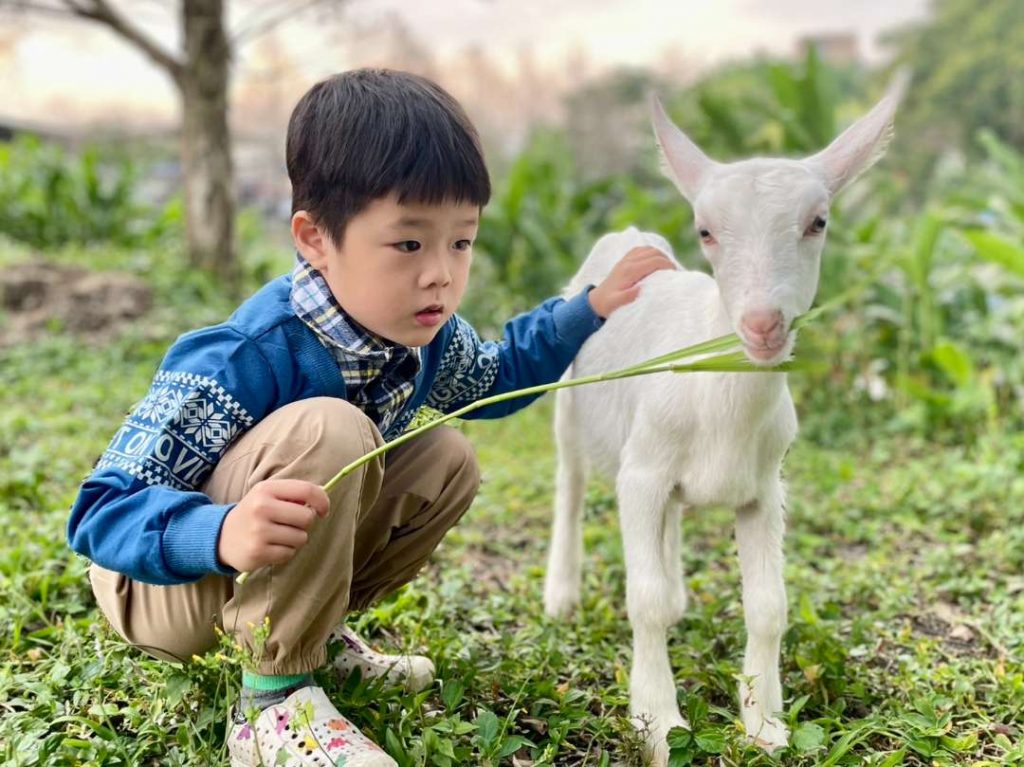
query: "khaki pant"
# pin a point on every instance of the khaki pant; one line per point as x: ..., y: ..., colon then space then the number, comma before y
x: 385, y: 520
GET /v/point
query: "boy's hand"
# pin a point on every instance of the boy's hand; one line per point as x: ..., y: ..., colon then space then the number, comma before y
x: 269, y: 524
x: 620, y: 286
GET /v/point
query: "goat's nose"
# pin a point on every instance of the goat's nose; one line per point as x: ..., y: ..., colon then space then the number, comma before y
x: 761, y: 322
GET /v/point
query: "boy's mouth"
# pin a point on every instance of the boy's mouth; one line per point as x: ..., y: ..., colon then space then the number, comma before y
x: 430, y: 316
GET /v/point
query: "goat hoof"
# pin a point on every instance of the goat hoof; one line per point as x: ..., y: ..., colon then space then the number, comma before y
x: 656, y: 731
x: 770, y: 735
x: 658, y: 753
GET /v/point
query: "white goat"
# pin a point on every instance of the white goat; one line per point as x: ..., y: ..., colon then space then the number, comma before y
x: 676, y: 442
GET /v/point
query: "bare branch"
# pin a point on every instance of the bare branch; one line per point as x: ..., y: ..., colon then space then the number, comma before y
x: 58, y: 9
x: 249, y: 32
x: 103, y: 12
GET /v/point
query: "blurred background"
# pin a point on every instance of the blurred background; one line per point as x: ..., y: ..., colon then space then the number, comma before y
x: 143, y: 194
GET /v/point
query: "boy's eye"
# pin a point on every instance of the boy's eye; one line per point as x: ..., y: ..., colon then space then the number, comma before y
x: 408, y: 246
x: 463, y: 244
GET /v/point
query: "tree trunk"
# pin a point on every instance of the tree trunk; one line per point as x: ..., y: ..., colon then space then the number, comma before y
x: 206, y: 143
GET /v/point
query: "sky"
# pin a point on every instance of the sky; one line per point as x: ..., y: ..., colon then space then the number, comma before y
x: 51, y: 68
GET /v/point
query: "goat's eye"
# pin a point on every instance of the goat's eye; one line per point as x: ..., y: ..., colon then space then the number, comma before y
x: 817, y: 226
x: 705, y: 236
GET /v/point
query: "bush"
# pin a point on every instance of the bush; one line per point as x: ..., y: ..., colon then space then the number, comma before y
x: 50, y: 197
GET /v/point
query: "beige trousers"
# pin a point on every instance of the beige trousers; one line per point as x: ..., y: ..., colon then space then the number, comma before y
x: 385, y: 519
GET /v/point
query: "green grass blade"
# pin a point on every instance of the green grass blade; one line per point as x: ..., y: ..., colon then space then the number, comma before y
x: 720, y: 344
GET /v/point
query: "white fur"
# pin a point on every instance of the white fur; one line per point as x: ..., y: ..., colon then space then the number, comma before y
x: 679, y: 442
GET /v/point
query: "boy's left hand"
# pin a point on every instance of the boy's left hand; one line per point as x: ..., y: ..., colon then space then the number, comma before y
x: 620, y: 286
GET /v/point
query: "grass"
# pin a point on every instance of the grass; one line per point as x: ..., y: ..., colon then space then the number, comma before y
x: 905, y: 570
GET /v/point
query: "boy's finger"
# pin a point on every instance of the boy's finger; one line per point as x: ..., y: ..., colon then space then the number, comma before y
x: 286, y: 535
x: 323, y: 502
x: 302, y: 492
x: 657, y: 255
x: 649, y: 266
x: 637, y: 254
x: 275, y: 554
x: 649, y: 250
x: 293, y: 514
x: 654, y: 257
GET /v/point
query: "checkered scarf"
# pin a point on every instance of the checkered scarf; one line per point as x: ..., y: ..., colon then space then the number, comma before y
x: 379, y: 377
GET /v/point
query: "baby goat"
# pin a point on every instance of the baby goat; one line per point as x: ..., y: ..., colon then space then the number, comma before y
x: 680, y: 442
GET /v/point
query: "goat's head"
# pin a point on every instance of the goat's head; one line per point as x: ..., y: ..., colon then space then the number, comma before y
x: 762, y: 221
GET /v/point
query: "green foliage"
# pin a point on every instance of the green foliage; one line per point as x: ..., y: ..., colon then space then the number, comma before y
x: 968, y: 74
x: 767, y: 108
x: 50, y: 197
x: 932, y: 341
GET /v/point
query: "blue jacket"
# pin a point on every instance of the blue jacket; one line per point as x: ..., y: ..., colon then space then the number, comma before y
x: 140, y: 512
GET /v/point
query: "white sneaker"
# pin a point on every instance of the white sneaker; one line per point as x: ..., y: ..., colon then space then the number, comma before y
x: 304, y: 730
x: 414, y: 672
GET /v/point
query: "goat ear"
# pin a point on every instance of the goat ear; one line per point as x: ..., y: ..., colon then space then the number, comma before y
x: 682, y: 160
x: 862, y: 144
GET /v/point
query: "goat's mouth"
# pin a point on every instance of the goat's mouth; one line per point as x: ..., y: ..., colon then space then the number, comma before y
x: 767, y: 353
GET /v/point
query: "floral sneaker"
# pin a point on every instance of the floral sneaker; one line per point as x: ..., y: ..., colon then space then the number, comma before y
x: 415, y: 672
x: 305, y: 730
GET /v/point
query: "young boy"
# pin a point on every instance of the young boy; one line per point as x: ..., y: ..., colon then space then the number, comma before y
x: 219, y: 468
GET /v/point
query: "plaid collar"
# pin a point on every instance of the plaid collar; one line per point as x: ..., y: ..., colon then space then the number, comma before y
x: 379, y: 377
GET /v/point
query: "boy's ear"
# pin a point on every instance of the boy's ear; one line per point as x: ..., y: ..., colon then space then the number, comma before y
x: 313, y: 244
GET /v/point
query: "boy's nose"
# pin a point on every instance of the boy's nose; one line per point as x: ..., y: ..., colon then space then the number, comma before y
x: 438, y: 271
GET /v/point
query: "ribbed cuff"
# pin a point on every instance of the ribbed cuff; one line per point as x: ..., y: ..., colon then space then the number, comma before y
x: 272, y: 683
x: 575, y: 320
x: 190, y: 540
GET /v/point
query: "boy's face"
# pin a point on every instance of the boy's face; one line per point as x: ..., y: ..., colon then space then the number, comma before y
x: 400, y: 270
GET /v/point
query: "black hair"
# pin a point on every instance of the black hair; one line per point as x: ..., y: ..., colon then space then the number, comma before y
x: 361, y: 135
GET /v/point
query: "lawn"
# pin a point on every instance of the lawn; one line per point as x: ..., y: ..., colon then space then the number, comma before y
x: 904, y: 571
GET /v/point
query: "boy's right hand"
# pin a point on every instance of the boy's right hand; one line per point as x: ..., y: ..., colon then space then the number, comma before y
x: 620, y: 286
x: 270, y: 523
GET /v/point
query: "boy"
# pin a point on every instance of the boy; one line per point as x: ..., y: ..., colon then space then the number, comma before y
x: 219, y: 469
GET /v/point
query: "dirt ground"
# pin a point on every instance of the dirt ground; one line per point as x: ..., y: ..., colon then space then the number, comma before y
x: 37, y: 299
